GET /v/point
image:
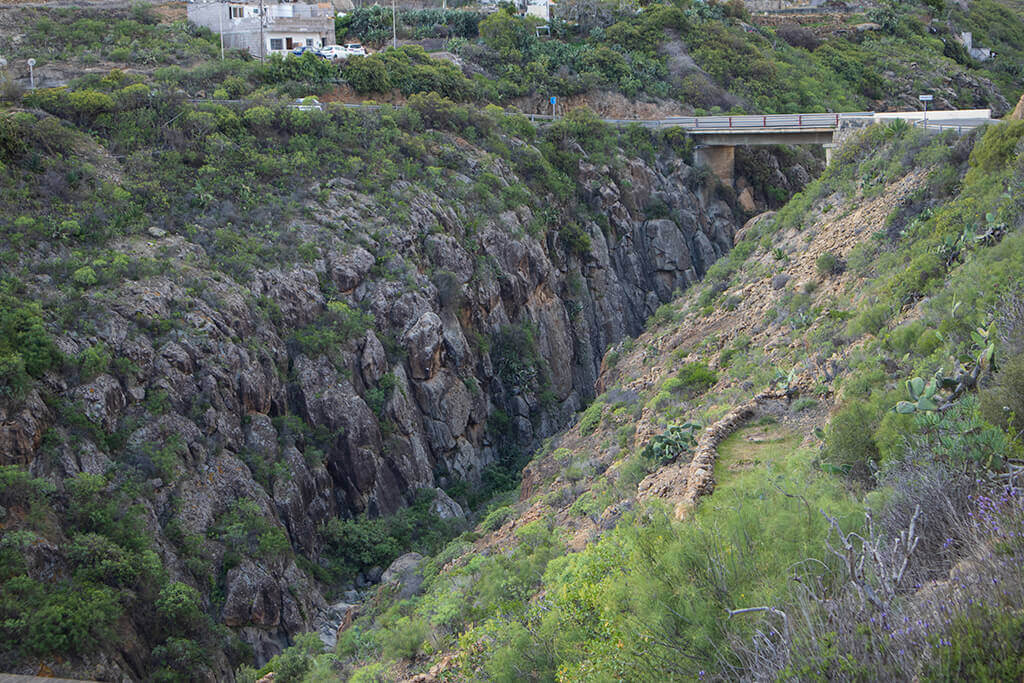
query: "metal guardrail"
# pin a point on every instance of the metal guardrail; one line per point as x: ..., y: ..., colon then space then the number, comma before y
x: 958, y: 127
x: 738, y: 123
x: 744, y: 123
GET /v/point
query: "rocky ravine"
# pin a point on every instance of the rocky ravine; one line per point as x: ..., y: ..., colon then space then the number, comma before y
x: 213, y: 366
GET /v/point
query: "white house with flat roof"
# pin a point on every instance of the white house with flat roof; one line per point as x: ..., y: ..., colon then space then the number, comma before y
x: 286, y: 25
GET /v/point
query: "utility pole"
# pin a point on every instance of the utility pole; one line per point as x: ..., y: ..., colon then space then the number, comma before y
x: 263, y: 44
x: 394, y: 26
x: 221, y: 22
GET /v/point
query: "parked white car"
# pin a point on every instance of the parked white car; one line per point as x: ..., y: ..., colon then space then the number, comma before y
x: 355, y: 49
x: 309, y: 103
x: 334, y: 52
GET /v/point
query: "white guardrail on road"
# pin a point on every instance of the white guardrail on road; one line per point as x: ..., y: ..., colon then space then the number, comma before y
x: 938, y: 119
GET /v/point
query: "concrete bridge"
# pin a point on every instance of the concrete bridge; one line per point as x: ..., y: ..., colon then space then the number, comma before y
x: 717, y: 137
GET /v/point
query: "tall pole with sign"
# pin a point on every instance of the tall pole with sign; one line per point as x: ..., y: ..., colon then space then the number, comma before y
x: 31, y: 74
x: 926, y: 99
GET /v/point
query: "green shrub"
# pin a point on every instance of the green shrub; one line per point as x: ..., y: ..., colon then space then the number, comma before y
x: 243, y: 529
x: 849, y: 441
x: 495, y: 518
x: 405, y: 638
x: 802, y: 404
x: 575, y: 239
x: 697, y: 377
x: 591, y: 417
x: 371, y: 673
x: 982, y: 644
x: 339, y: 324
x: 378, y: 396
x: 292, y: 665
x: 366, y: 74
x: 664, y: 314
x: 180, y: 605
x: 25, y: 346
x: 94, y: 361
x: 18, y: 487
x: 871, y: 320
x: 354, y: 545
x: 85, y: 277
x: 1002, y: 403
x: 64, y: 621
x: 829, y: 264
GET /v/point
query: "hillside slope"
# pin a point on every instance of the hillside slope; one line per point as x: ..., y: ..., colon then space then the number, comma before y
x: 859, y: 283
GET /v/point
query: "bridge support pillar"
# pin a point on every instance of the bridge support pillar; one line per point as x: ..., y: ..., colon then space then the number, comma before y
x: 829, y: 151
x: 719, y: 158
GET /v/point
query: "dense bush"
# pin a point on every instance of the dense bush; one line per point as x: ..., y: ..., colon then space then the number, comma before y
x: 355, y: 545
x: 696, y: 377
x: 26, y: 349
x: 591, y: 417
x: 1002, y: 403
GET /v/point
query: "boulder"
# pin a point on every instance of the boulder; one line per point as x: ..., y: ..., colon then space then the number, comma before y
x: 404, y: 573
x: 348, y: 270
x: 746, y: 200
x: 444, y: 507
x: 423, y: 341
x: 373, y: 361
x: 296, y: 292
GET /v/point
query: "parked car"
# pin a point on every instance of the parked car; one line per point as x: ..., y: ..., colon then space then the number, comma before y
x: 303, y: 49
x: 355, y: 49
x: 307, y: 104
x: 334, y: 52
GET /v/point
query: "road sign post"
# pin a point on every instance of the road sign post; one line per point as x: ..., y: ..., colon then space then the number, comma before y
x: 554, y: 100
x: 926, y: 99
x: 31, y: 74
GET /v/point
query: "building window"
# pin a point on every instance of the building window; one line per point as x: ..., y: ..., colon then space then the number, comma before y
x: 236, y: 12
x: 276, y: 44
x: 309, y: 42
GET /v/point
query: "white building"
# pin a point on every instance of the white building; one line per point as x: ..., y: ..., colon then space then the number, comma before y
x: 286, y: 25
x: 539, y: 8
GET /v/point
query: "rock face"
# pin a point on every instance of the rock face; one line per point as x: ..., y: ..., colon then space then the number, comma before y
x: 1018, y: 112
x: 454, y: 335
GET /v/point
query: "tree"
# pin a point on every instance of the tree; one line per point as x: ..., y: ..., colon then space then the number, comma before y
x: 508, y: 35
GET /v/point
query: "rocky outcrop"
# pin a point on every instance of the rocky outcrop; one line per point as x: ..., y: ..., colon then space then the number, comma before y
x: 1018, y: 112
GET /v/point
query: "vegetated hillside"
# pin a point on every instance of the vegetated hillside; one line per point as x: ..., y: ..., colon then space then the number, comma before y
x: 865, y: 520
x: 696, y: 56
x: 686, y: 56
x: 250, y: 354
